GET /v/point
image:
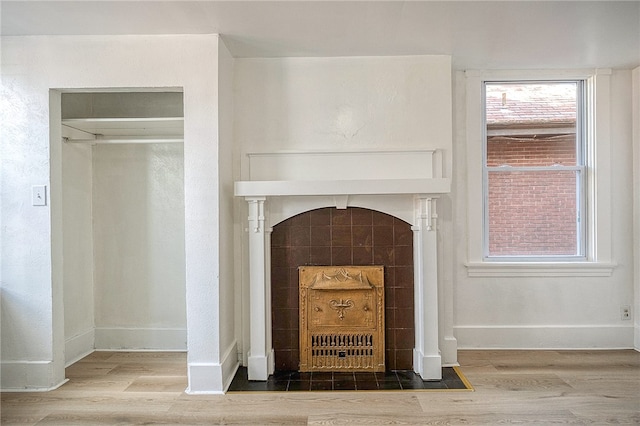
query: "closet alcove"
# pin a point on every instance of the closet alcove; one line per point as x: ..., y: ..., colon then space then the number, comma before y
x: 123, y: 221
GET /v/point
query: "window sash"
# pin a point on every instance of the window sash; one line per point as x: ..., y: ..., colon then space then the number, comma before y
x: 544, y: 217
x: 581, y: 181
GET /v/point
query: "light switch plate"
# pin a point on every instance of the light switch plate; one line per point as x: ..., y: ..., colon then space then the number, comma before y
x: 39, y: 195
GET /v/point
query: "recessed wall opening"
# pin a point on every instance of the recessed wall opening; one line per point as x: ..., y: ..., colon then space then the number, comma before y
x: 351, y: 236
x: 123, y: 266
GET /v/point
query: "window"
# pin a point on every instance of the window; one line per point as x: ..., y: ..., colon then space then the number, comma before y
x: 590, y: 252
x: 534, y: 174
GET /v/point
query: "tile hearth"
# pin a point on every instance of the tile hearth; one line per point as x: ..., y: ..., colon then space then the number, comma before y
x: 341, y: 381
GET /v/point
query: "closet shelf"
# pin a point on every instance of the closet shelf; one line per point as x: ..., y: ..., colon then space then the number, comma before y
x: 123, y: 130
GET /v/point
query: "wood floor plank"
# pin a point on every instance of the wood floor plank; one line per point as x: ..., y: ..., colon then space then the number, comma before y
x: 521, y: 382
x: 364, y: 418
x: 117, y: 418
x: 270, y: 403
x: 158, y: 384
x: 89, y: 369
x: 523, y: 387
x: 454, y: 419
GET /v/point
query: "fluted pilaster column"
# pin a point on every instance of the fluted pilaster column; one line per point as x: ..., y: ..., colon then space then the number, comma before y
x: 427, y: 361
x: 260, y: 359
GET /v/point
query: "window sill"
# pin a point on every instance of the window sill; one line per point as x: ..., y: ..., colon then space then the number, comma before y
x: 539, y: 269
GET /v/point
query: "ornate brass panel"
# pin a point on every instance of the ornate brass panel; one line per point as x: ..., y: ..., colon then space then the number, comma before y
x: 341, y: 318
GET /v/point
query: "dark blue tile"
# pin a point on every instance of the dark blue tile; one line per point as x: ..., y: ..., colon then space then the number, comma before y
x: 297, y: 375
x: 365, y: 377
x: 386, y: 376
x: 344, y: 385
x: 255, y: 386
x: 411, y: 385
x: 277, y: 385
x: 343, y: 376
x: 436, y: 384
x: 242, y: 373
x: 389, y: 385
x: 322, y: 375
x: 299, y: 385
x: 407, y: 375
x: 321, y: 385
x: 282, y: 374
x: 366, y: 385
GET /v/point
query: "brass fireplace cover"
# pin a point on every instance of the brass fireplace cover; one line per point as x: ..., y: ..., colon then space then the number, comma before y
x: 341, y: 318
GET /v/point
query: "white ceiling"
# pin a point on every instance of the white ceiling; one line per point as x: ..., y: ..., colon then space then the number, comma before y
x: 478, y: 34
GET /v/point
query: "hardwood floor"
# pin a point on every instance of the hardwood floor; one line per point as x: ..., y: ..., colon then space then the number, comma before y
x: 524, y: 387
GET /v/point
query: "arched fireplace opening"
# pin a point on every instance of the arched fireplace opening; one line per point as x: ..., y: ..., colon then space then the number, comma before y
x: 340, y: 237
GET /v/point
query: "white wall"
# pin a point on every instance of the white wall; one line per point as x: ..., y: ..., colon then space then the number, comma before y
x: 32, y: 350
x: 138, y: 227
x: 552, y: 312
x: 77, y: 234
x: 356, y: 103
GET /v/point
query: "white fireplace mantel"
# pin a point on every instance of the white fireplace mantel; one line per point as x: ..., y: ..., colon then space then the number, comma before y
x: 341, y: 187
x: 408, y: 188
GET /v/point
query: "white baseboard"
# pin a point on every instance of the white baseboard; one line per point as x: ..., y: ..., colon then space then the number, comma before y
x: 29, y: 376
x: 153, y: 339
x: 230, y: 365
x: 79, y: 346
x: 545, y: 337
x: 213, y: 378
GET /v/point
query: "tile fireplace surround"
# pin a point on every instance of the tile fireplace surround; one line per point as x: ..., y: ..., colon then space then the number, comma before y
x: 281, y: 186
x: 329, y: 236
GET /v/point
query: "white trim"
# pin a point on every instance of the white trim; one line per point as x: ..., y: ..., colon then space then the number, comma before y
x: 79, y: 346
x: 427, y: 361
x: 229, y: 365
x: 140, y: 350
x: 599, y: 246
x: 539, y: 269
x: 49, y: 389
x: 636, y: 202
x: 205, y: 376
x: 342, y: 187
x: 28, y: 376
x: 599, y: 204
x: 324, y: 165
x: 131, y: 338
x: 125, y: 140
x: 544, y: 337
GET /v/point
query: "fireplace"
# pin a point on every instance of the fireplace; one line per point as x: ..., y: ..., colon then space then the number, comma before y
x: 405, y: 185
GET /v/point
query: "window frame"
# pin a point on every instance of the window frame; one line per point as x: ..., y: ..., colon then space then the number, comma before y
x: 580, y: 168
x: 597, y: 260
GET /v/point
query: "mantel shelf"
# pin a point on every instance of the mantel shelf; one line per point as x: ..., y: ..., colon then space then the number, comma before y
x: 342, y: 187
